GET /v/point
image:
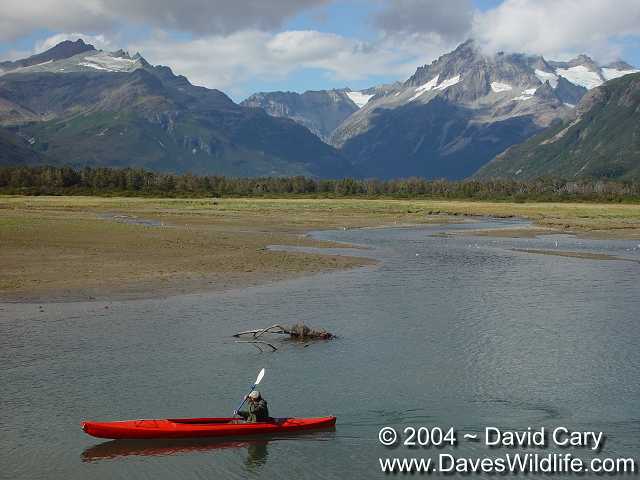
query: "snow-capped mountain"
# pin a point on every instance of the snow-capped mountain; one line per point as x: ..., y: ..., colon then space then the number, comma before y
x: 80, y: 105
x: 583, y: 71
x: 77, y: 105
x: 454, y: 115
x: 63, y: 50
x: 67, y: 60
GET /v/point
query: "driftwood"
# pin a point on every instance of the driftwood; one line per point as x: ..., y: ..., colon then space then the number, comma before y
x: 298, y: 331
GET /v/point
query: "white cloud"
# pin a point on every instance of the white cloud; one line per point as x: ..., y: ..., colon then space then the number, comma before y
x: 234, y: 42
x: 210, y: 16
x: 228, y: 62
x: 21, y: 17
x: 450, y: 20
x: 557, y: 28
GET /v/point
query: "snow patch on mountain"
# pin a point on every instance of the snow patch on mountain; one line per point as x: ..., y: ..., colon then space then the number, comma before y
x: 543, y: 76
x: 106, y: 62
x: 94, y: 66
x: 433, y: 85
x: 430, y: 85
x: 500, y: 87
x: 611, y: 73
x: 359, y: 98
x: 581, y: 75
x: 42, y: 63
x: 449, y: 82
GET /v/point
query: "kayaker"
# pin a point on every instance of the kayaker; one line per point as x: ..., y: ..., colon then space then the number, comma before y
x: 258, y: 409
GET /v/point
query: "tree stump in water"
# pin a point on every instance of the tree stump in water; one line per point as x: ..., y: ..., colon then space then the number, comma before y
x: 300, y: 331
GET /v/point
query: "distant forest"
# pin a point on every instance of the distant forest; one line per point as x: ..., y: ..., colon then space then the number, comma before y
x: 45, y: 180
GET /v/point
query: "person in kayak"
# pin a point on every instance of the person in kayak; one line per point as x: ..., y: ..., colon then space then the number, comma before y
x: 258, y: 409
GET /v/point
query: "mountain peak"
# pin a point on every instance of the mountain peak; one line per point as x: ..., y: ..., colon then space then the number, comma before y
x: 468, y: 44
x: 62, y: 50
x: 619, y: 65
x: 584, y: 60
x: 466, y: 50
x: 121, y: 54
x: 66, y: 49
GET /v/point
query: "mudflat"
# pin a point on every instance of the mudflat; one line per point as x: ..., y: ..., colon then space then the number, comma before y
x: 84, y: 248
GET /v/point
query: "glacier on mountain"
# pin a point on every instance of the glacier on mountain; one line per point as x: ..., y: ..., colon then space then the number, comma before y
x: 581, y: 75
x: 359, y: 98
x: 543, y: 76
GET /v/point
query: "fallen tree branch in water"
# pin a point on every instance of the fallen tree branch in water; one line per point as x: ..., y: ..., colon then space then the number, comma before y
x: 261, y: 331
x: 298, y: 331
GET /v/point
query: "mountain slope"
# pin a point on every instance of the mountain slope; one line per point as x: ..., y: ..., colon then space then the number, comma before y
x: 15, y: 150
x: 602, y: 139
x: 110, y: 109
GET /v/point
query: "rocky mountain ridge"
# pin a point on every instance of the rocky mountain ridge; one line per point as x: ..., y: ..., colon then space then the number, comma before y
x: 75, y: 104
x: 84, y: 106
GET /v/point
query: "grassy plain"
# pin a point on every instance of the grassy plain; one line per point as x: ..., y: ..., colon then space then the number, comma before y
x: 70, y: 248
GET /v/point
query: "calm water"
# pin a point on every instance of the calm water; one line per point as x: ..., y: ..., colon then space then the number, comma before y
x: 457, y: 332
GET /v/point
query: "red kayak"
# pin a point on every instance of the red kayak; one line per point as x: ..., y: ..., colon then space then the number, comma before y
x: 201, y: 427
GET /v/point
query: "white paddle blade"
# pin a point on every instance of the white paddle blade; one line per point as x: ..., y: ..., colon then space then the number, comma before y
x: 260, y: 375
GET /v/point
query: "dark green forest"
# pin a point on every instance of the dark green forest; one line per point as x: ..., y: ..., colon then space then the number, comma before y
x: 47, y: 180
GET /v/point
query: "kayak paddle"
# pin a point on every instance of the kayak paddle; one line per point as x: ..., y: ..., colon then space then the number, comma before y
x: 253, y: 387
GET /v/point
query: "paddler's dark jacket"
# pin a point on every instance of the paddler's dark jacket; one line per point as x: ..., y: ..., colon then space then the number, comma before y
x: 258, y: 411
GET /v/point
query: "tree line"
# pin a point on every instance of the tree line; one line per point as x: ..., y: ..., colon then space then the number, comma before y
x: 48, y: 180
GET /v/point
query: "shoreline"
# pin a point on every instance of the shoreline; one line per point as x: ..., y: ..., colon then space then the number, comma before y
x: 65, y: 249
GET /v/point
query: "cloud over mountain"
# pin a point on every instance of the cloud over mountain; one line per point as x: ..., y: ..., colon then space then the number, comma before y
x: 556, y: 27
x: 237, y: 45
x: 226, y: 61
x: 192, y: 16
x: 450, y: 20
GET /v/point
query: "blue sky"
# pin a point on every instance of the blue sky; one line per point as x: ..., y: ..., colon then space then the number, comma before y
x: 250, y: 45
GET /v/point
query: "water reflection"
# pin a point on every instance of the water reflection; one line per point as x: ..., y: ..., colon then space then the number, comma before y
x: 257, y: 451
x: 257, y: 454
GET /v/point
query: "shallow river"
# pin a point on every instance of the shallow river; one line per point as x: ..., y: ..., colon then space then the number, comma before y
x: 450, y: 331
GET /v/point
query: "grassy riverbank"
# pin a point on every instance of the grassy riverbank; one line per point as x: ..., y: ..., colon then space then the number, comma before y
x: 67, y: 248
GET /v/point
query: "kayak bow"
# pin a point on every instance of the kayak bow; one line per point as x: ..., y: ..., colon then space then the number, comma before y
x: 201, y: 427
